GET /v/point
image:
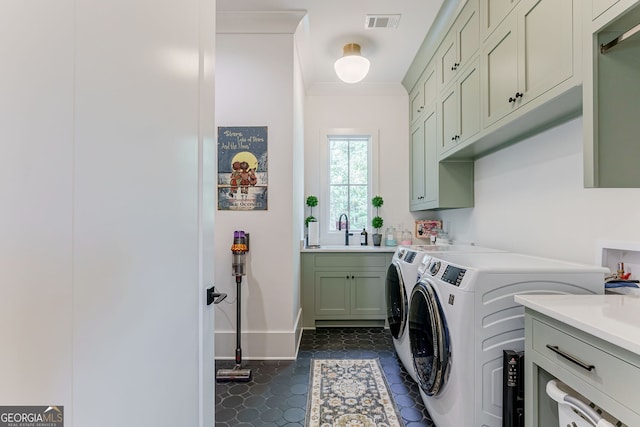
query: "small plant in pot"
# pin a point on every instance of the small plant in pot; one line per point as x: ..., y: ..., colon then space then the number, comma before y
x: 312, y: 234
x: 312, y: 201
x: 377, y: 221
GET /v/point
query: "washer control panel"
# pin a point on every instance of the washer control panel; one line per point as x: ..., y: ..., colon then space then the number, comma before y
x: 453, y: 275
x: 409, y: 257
x: 434, y: 267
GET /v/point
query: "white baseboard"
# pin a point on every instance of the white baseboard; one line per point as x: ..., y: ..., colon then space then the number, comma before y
x: 261, y: 345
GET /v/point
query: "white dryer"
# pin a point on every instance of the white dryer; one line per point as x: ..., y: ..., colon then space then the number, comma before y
x: 401, y: 277
x: 462, y: 315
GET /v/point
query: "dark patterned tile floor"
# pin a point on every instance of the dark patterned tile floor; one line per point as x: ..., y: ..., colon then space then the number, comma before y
x: 277, y: 392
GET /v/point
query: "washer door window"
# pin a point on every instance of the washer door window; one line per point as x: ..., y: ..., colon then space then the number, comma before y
x: 429, y: 337
x: 396, y: 301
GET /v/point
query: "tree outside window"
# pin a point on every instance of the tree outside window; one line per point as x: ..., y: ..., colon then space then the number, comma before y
x: 349, y: 180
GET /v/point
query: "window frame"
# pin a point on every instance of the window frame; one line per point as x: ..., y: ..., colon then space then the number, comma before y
x: 337, y: 237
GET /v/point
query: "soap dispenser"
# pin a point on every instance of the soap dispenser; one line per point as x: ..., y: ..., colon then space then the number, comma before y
x: 364, y: 238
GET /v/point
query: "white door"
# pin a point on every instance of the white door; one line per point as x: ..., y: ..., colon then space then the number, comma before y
x: 106, y: 210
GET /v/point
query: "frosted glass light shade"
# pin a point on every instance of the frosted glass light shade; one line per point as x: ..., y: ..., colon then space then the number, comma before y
x: 352, y: 67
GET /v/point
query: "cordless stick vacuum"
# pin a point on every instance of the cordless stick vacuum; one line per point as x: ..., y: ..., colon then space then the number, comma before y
x: 239, y: 249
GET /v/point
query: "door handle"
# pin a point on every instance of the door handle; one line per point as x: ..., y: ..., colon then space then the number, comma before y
x: 214, y: 297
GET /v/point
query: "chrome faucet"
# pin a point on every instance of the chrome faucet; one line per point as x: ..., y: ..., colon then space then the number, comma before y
x: 346, y: 228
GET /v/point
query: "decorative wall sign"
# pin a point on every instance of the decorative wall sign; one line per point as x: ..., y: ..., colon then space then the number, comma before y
x: 242, y: 168
x: 424, y: 227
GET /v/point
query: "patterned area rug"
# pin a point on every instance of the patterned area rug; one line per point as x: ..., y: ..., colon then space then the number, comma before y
x: 350, y: 393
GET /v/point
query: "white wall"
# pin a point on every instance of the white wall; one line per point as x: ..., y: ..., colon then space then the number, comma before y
x: 389, y: 114
x: 530, y: 198
x: 255, y: 86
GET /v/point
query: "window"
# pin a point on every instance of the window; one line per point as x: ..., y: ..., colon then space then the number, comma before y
x: 349, y: 178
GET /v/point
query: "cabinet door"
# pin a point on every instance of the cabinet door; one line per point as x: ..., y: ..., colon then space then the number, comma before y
x: 424, y: 162
x: 367, y: 294
x: 500, y: 63
x: 430, y: 165
x: 417, y: 102
x: 417, y: 165
x: 332, y: 293
x: 449, y: 119
x: 468, y: 34
x: 469, y: 100
x: 493, y: 12
x: 545, y: 45
x: 424, y: 94
x: 447, y: 60
x: 429, y: 86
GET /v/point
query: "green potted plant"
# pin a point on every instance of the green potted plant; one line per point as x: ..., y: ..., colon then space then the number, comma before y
x: 312, y: 234
x: 377, y: 220
x: 312, y: 202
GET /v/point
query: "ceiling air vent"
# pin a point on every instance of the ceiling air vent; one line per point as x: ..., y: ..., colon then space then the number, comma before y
x: 381, y: 21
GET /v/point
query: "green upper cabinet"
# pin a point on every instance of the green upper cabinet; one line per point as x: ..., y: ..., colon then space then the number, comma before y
x: 424, y: 162
x: 435, y: 184
x: 493, y: 13
x: 423, y: 95
x: 505, y: 69
x: 460, y: 109
x: 529, y: 53
x: 611, y: 97
x: 459, y: 46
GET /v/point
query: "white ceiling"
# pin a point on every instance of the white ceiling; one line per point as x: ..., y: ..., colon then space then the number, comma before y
x: 327, y: 25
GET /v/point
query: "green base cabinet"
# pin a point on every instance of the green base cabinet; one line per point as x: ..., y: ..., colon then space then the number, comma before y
x: 612, y: 383
x: 344, y: 289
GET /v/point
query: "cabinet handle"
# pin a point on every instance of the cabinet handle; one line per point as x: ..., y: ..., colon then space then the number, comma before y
x: 519, y: 94
x: 511, y: 99
x: 353, y: 277
x: 571, y: 358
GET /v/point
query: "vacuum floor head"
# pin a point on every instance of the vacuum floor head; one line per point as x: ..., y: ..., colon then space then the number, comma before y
x: 237, y: 374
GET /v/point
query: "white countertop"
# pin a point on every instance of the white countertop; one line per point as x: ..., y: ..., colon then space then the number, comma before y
x: 350, y: 248
x: 613, y: 318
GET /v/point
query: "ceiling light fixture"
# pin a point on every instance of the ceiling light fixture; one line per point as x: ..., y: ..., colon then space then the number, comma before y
x: 352, y: 67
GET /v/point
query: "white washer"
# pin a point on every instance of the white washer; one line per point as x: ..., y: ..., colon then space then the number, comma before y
x: 402, y: 275
x: 462, y: 315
